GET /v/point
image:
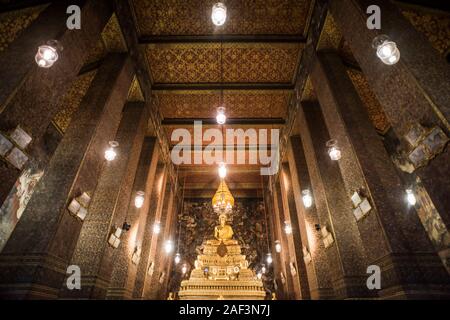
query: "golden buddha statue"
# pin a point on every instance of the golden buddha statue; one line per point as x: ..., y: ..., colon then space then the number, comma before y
x: 223, y: 231
x: 221, y: 271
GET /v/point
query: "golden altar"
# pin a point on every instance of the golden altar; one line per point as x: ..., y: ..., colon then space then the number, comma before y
x: 221, y: 271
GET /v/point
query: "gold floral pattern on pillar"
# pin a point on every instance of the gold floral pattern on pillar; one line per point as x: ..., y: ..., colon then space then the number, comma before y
x: 436, y: 27
x: 180, y: 17
x: 14, y: 22
x: 373, y: 106
x: 240, y: 103
x: 72, y: 99
x: 112, y: 36
x: 111, y: 40
x: 135, y: 94
x: 331, y: 37
x: 242, y: 62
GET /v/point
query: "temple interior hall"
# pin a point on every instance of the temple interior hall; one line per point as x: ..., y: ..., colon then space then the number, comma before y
x: 224, y: 150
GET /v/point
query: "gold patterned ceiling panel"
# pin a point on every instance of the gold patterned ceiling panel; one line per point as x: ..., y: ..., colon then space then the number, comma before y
x: 239, y: 103
x: 234, y: 62
x: 181, y: 17
x: 14, y: 22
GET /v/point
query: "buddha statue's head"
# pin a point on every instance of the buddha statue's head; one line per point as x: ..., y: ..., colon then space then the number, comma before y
x: 223, y: 219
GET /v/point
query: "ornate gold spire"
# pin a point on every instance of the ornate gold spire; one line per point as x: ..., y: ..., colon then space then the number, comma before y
x: 223, y: 199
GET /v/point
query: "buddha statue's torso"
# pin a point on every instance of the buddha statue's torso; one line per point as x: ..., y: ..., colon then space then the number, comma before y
x: 223, y: 232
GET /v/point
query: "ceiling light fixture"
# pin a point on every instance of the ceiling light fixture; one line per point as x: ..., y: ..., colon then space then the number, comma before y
x: 168, y: 246
x: 278, y: 246
x: 222, y: 170
x: 269, y: 259
x: 110, y: 153
x: 156, y: 228
x: 48, y: 54
x: 177, y: 258
x: 221, y: 118
x: 410, y: 197
x: 307, y: 198
x: 219, y: 14
x: 387, y: 49
x: 139, y: 199
x: 333, y: 150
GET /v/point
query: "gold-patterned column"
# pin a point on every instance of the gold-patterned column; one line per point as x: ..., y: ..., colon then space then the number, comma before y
x: 393, y: 237
x: 160, y: 256
x: 29, y: 95
x: 168, y: 262
x: 274, y: 235
x: 314, y: 254
x: 130, y: 252
x: 284, y: 279
x: 94, y: 253
x: 414, y: 93
x: 289, y: 252
x: 146, y: 266
x: 296, y: 264
x: 47, y: 232
x: 339, y: 231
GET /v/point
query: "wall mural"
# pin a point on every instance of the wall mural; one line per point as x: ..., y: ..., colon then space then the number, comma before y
x: 16, y: 202
x: 197, y: 224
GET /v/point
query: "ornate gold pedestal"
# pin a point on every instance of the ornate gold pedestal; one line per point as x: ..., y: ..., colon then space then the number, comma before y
x: 221, y: 272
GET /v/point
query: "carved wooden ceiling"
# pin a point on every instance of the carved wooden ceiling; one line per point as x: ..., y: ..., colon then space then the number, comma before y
x: 181, y: 17
x: 250, y: 64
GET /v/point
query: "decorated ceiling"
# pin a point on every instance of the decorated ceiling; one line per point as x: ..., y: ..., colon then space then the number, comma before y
x: 228, y: 62
x: 180, y: 17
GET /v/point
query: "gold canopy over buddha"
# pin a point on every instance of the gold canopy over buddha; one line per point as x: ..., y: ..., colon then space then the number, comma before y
x: 223, y: 199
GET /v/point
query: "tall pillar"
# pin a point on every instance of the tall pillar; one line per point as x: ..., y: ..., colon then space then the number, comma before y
x: 108, y: 208
x: 46, y: 234
x: 414, y: 91
x: 274, y: 234
x: 346, y: 254
x: 393, y: 238
x: 30, y: 95
x: 295, y: 239
x: 284, y: 278
x: 168, y: 262
x: 155, y: 283
x: 289, y: 252
x: 317, y: 269
x: 145, y: 268
x: 124, y: 273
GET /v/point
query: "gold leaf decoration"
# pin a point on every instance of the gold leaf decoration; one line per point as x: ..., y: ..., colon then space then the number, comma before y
x: 239, y: 103
x: 374, y: 108
x: 436, y: 27
x: 72, y: 99
x: 242, y: 63
x: 135, y: 93
x: 13, y: 23
x: 180, y: 17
